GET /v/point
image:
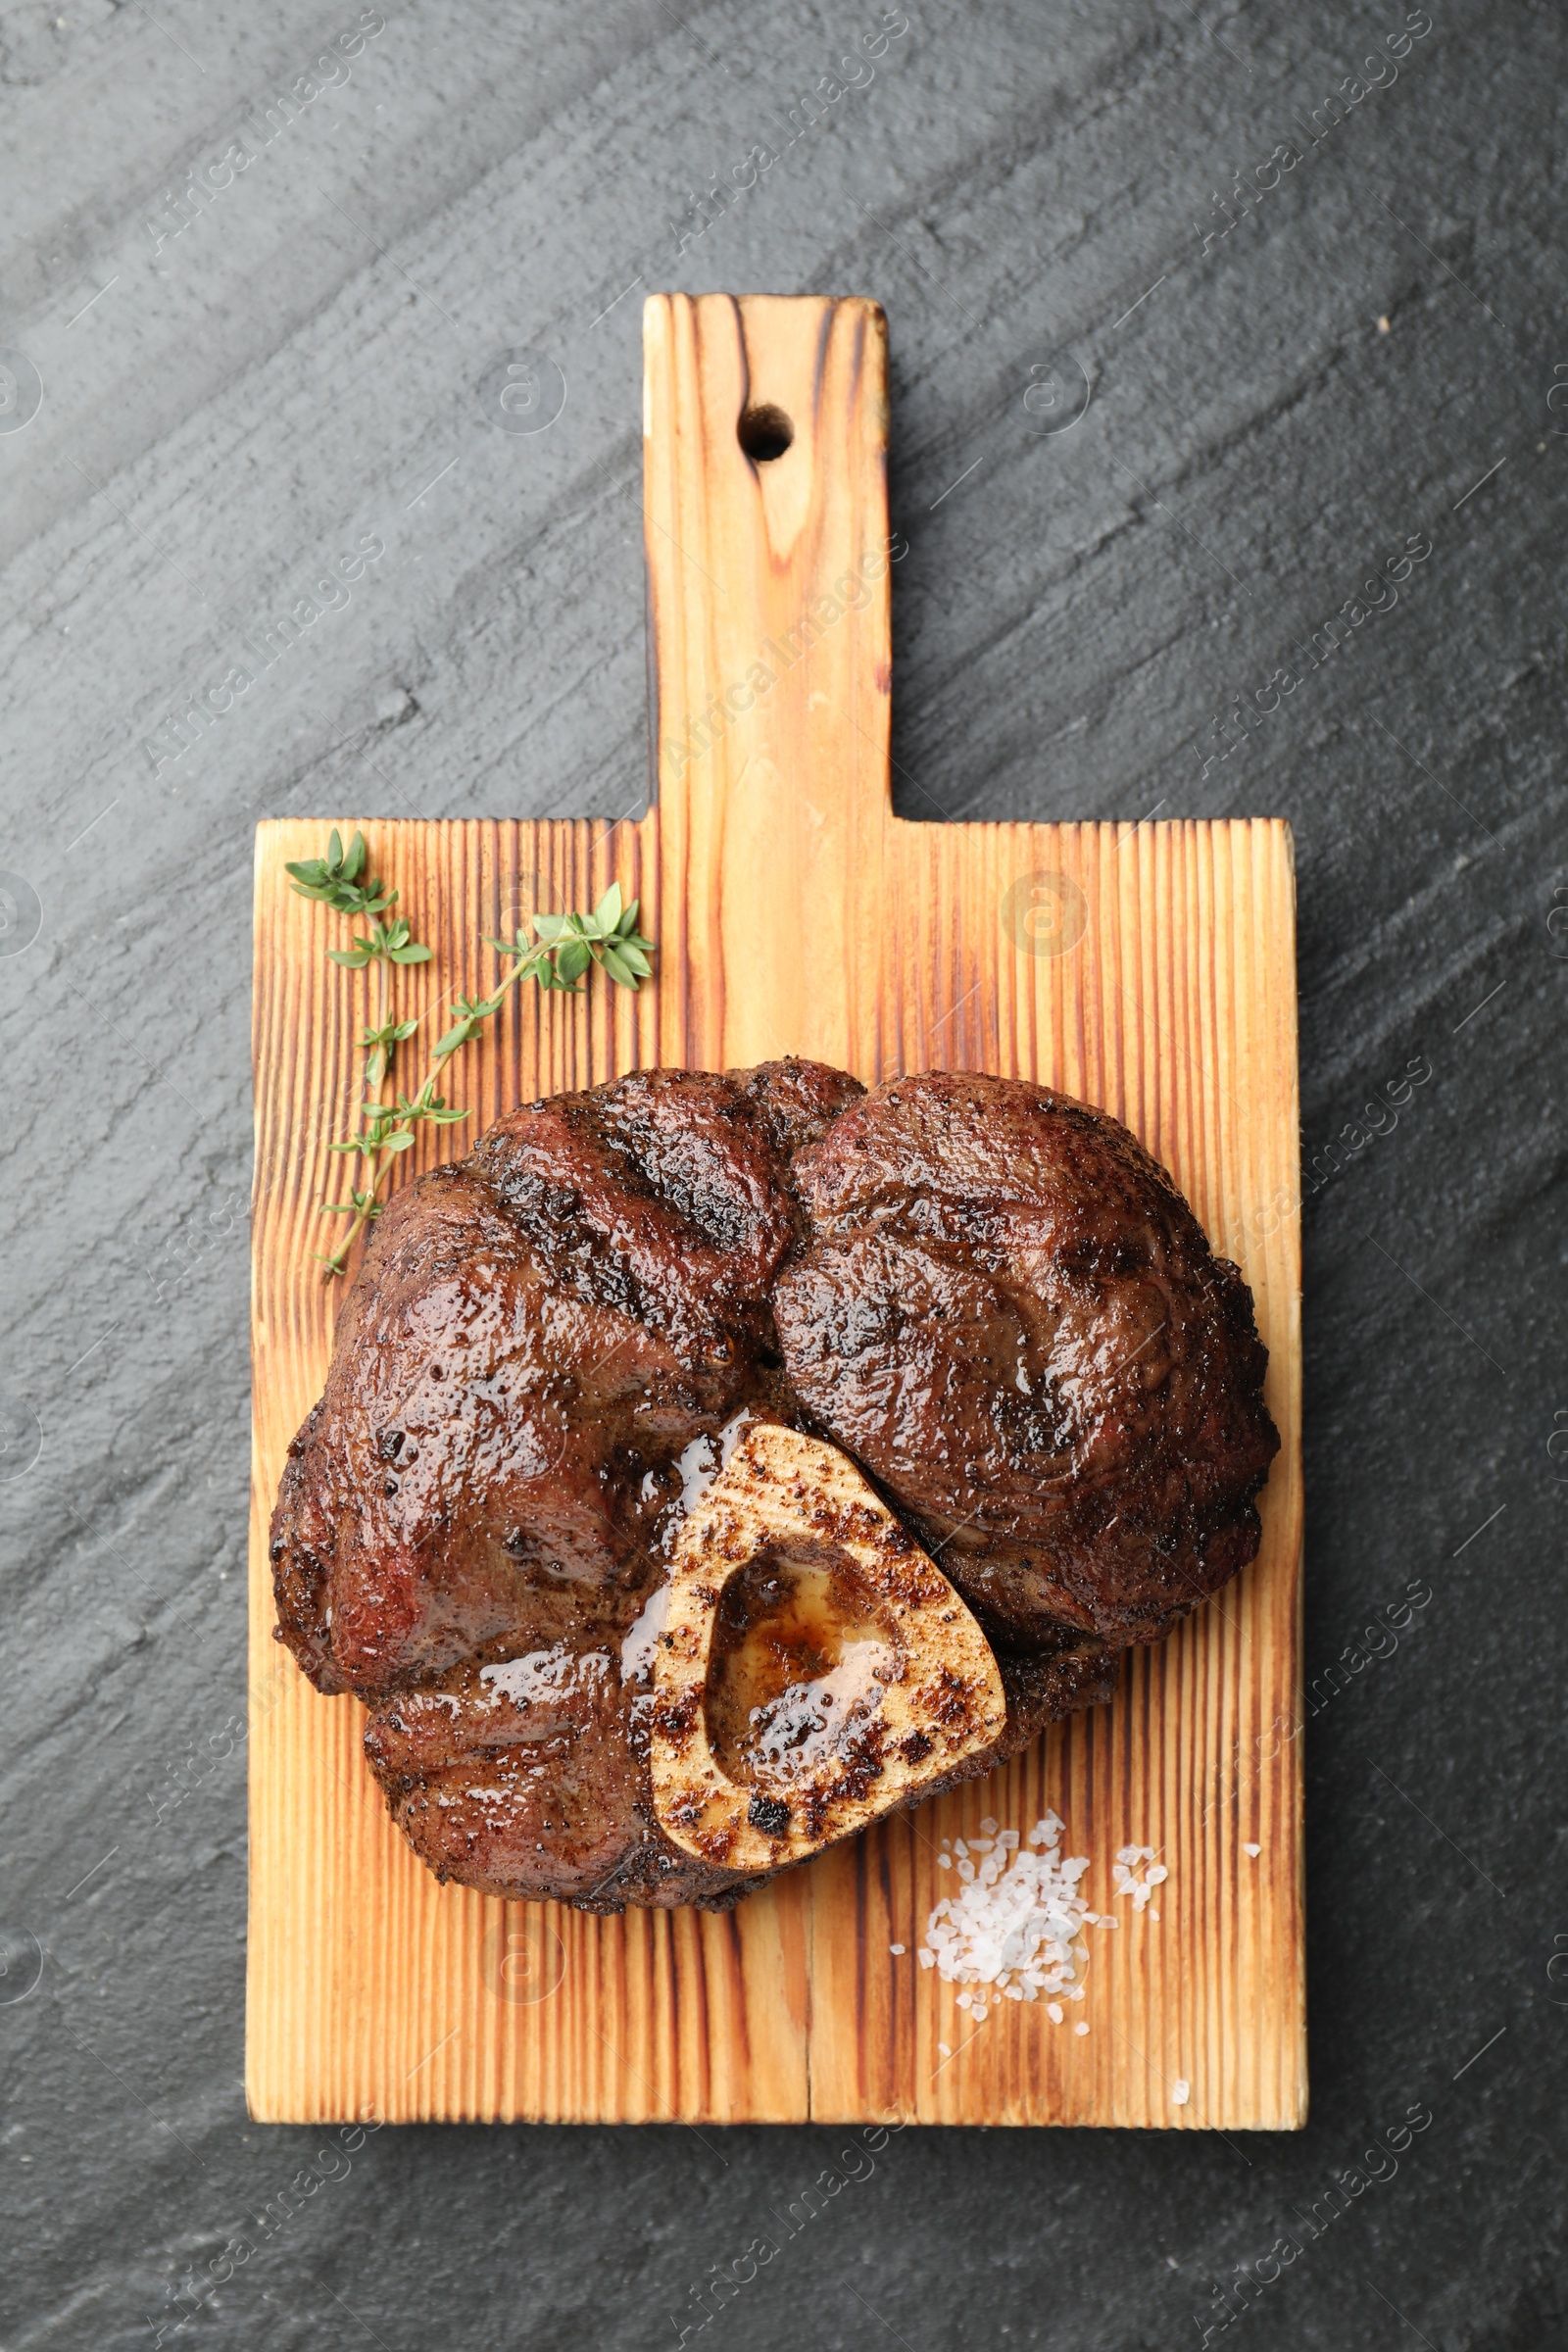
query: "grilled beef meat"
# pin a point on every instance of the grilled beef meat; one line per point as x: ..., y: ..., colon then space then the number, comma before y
x: 986, y: 1294
x: 1010, y: 1317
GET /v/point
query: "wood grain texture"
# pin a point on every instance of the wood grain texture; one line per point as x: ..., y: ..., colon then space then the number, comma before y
x: 1149, y: 970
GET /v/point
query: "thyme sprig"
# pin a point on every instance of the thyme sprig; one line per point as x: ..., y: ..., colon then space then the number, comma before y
x: 563, y: 948
x: 336, y: 880
x: 570, y: 943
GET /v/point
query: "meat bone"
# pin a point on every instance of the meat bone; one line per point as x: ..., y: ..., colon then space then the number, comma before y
x: 839, y: 1577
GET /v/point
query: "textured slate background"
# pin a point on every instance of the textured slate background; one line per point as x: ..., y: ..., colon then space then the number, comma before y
x: 309, y: 363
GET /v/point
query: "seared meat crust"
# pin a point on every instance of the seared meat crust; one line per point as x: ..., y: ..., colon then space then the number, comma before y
x: 1009, y: 1314
x: 988, y: 1295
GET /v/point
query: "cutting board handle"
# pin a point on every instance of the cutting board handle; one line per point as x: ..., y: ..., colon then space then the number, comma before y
x: 765, y: 424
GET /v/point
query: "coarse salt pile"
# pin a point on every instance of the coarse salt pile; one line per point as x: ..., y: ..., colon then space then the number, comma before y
x: 1008, y: 1932
x: 1124, y: 1877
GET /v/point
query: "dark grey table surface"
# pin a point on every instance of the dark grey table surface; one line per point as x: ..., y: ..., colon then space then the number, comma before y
x: 1308, y: 264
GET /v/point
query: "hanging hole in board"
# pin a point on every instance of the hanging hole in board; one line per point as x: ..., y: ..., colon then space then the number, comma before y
x: 765, y: 433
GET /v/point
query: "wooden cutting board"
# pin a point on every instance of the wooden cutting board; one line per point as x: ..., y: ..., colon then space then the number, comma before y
x: 1148, y: 968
